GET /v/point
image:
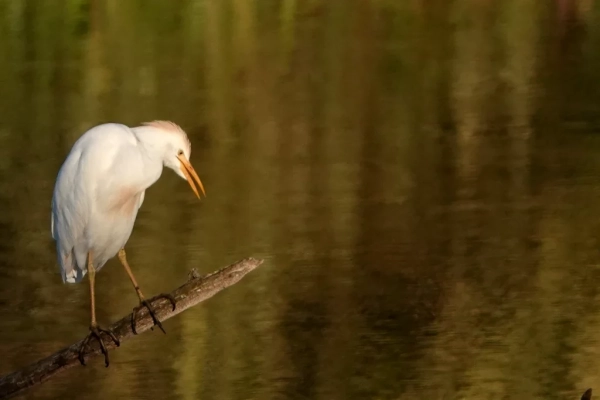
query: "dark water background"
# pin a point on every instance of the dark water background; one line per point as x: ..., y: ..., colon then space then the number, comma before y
x: 423, y: 178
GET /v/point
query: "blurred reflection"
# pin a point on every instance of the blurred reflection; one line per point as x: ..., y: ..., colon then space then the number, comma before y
x: 421, y: 176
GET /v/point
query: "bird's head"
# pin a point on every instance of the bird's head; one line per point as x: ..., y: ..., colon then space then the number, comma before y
x: 177, y: 149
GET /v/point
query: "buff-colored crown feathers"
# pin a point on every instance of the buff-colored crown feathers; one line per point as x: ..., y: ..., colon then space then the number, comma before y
x: 167, y: 126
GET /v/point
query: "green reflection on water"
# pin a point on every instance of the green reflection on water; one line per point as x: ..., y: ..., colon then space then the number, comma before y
x: 421, y: 177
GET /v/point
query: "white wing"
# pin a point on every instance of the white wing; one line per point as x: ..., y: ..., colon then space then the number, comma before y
x: 52, y: 222
x: 81, y: 182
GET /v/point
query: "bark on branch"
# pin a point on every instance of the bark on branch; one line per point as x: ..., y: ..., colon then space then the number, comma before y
x: 194, y: 291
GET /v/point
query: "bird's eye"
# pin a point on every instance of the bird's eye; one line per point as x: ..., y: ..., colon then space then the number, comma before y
x: 180, y: 153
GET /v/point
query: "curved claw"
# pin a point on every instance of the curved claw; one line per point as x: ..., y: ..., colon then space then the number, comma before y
x: 147, y: 304
x: 95, y: 332
x: 168, y: 297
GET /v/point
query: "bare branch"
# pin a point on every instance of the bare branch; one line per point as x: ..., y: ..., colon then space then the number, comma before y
x: 194, y: 291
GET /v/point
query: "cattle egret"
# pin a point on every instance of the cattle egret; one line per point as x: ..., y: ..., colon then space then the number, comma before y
x: 98, y: 192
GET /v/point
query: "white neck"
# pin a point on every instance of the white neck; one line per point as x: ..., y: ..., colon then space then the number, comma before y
x: 152, y: 152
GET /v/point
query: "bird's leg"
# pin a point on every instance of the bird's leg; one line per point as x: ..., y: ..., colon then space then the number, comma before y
x: 143, y: 301
x: 95, y: 330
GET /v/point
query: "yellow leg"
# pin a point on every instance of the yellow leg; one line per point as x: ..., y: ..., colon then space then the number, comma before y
x: 123, y: 259
x: 95, y: 330
x: 92, y: 277
x: 143, y: 301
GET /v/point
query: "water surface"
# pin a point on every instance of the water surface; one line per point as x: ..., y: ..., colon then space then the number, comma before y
x: 422, y: 178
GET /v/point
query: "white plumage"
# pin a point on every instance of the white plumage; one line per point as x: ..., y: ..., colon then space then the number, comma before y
x: 101, y: 186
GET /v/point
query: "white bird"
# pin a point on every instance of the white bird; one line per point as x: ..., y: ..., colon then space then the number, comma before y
x: 97, y: 194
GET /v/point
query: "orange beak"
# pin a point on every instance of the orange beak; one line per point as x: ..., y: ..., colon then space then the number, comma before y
x: 189, y: 172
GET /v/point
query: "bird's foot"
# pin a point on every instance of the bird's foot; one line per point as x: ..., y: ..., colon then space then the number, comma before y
x: 95, y: 332
x: 147, y: 304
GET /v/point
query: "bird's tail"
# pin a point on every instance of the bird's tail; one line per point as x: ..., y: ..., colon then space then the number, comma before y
x: 70, y: 272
